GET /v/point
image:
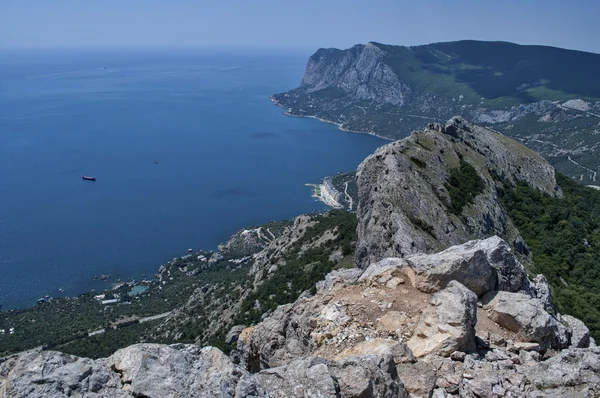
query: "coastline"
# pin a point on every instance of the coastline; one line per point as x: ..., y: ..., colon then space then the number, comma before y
x: 339, y: 125
x: 327, y: 200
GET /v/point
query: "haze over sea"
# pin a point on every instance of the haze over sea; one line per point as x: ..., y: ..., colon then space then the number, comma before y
x: 227, y: 159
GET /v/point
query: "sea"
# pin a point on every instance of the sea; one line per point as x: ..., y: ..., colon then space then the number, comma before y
x: 185, y: 146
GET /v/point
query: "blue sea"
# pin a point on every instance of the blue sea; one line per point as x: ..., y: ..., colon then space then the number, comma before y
x: 186, y: 148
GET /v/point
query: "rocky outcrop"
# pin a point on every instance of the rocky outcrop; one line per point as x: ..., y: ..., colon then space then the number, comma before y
x: 142, y: 370
x: 441, y: 339
x: 360, y: 73
x: 580, y: 334
x: 526, y: 316
x: 447, y: 324
x: 481, y: 265
x: 365, y: 376
x: 570, y: 368
x: 57, y: 375
x: 404, y: 200
x: 384, y: 333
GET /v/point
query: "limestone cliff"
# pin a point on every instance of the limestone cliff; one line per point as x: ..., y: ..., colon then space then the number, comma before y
x: 359, y: 72
x: 405, y: 201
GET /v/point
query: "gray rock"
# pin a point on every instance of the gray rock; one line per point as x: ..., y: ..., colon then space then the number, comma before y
x: 338, y: 276
x: 141, y: 370
x: 51, y: 374
x: 363, y: 376
x: 182, y: 370
x: 418, y: 378
x: 480, y: 265
x: 572, y: 367
x: 233, y: 334
x: 540, y: 289
x: 280, y: 338
x: 382, y: 266
x: 580, y: 334
x: 526, y: 316
x: 447, y: 324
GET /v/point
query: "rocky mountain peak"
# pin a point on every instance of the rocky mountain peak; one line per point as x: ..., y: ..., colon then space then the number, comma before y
x: 359, y: 72
x: 440, y: 187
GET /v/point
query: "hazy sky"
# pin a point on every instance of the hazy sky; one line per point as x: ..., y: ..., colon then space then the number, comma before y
x: 305, y: 24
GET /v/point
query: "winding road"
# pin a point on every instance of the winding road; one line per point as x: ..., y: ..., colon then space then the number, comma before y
x: 350, y: 202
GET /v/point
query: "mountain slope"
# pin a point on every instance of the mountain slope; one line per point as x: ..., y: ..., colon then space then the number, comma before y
x: 438, y: 188
x: 548, y: 98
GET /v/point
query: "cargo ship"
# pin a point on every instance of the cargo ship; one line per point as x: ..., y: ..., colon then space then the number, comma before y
x: 89, y: 178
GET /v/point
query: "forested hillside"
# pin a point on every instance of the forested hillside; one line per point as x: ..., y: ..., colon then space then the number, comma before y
x: 563, y: 235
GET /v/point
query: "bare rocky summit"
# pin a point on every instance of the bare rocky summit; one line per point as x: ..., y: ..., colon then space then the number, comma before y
x: 381, y: 332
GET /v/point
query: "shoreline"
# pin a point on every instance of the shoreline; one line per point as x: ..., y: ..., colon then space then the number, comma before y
x: 339, y: 125
x: 330, y: 202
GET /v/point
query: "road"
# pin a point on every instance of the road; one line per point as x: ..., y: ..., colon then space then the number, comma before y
x: 350, y: 204
x: 142, y: 320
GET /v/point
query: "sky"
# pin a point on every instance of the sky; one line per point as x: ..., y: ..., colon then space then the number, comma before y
x: 302, y: 24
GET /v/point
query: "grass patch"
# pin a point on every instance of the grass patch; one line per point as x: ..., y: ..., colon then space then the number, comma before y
x: 418, y: 162
x: 463, y: 185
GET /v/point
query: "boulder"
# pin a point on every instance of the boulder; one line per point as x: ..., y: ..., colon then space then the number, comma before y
x: 418, y: 378
x: 580, y: 334
x: 380, y: 267
x: 336, y: 277
x: 183, y: 370
x: 480, y: 265
x: 280, y: 338
x: 233, y: 334
x: 353, y: 377
x: 572, y: 367
x: 51, y: 374
x: 525, y: 315
x: 140, y: 370
x: 378, y: 346
x: 447, y: 324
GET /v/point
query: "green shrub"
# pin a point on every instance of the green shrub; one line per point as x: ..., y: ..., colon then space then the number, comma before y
x: 463, y: 185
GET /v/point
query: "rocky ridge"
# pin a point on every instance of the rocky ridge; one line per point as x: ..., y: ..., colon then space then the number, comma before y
x: 444, y: 338
x: 404, y: 199
x: 397, y: 329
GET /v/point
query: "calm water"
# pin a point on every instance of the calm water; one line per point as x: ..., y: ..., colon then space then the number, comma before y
x: 227, y: 158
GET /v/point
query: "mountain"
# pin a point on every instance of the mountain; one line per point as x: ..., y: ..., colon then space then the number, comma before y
x: 439, y: 187
x: 548, y: 98
x: 453, y: 225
